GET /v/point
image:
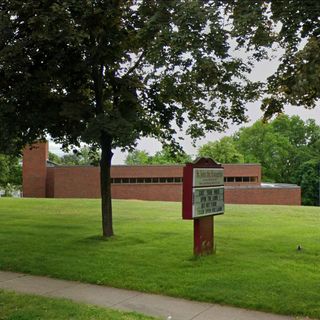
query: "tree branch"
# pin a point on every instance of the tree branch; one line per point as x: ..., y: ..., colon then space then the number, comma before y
x: 136, y: 65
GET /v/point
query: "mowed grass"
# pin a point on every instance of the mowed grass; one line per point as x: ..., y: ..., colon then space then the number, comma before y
x: 256, y: 264
x: 28, y: 307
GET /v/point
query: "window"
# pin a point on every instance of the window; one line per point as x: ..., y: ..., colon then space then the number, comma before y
x: 241, y: 179
x: 146, y: 180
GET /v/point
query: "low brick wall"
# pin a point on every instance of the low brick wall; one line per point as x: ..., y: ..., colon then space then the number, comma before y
x: 260, y: 195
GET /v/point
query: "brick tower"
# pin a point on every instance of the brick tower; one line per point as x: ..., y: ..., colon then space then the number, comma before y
x: 34, y: 170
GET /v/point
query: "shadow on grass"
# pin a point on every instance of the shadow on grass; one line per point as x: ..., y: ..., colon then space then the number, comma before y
x: 97, y: 238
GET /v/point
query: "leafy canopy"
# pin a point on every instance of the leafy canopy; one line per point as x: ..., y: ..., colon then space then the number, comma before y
x: 10, y: 171
x: 84, y: 156
x: 292, y: 28
x: 165, y: 156
x: 223, y: 151
x: 83, y: 70
x: 287, y: 149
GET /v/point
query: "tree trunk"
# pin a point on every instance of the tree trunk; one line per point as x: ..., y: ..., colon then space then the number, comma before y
x: 105, y: 184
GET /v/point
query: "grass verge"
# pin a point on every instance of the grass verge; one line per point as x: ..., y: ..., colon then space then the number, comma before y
x: 29, y: 307
x: 256, y: 264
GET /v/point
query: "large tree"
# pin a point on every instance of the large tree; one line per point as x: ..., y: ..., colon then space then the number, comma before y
x: 292, y: 28
x: 223, y: 150
x: 288, y: 150
x: 109, y: 72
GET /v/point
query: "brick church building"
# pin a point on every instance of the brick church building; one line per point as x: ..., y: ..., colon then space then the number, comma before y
x: 43, y: 179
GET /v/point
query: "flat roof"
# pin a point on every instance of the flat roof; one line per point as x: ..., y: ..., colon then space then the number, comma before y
x: 51, y: 163
x: 266, y: 186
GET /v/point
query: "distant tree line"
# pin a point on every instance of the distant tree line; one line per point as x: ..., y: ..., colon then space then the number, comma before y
x: 84, y: 156
x: 10, y: 173
x: 287, y: 149
x: 165, y: 156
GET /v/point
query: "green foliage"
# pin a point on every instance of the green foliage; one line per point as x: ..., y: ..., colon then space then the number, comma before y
x: 271, y: 148
x: 138, y: 157
x: 83, y: 156
x: 223, y: 151
x: 166, y: 156
x: 290, y: 25
x: 10, y: 172
x: 288, y: 150
x: 116, y: 71
x: 308, y: 177
x: 256, y: 264
x: 54, y: 158
x: 170, y: 156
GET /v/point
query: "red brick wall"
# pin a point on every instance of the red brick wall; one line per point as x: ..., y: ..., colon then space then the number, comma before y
x: 158, y: 192
x: 34, y: 170
x: 84, y: 182
x: 50, y: 182
x: 76, y: 182
x: 256, y: 195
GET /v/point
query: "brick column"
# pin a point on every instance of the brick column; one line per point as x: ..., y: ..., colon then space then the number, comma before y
x: 34, y: 170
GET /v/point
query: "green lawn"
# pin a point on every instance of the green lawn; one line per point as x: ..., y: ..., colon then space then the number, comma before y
x: 27, y: 307
x: 256, y: 265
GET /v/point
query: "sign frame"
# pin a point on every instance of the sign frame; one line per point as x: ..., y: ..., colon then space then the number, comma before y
x: 203, y: 226
x: 189, y: 184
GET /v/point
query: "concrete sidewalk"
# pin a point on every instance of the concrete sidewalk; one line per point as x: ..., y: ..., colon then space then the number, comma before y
x: 125, y: 300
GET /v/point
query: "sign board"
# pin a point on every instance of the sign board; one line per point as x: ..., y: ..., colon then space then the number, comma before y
x: 203, y: 189
x: 207, y: 177
x: 207, y: 201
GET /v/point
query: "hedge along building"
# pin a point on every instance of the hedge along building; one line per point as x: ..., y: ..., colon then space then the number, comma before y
x: 42, y: 179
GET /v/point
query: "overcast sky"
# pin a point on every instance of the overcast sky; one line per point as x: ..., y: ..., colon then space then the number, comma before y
x: 260, y: 73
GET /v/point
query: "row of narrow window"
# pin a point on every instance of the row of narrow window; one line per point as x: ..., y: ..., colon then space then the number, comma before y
x: 146, y: 180
x: 175, y: 180
x: 241, y: 179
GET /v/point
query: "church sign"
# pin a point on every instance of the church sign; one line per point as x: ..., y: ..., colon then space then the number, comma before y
x: 203, y: 198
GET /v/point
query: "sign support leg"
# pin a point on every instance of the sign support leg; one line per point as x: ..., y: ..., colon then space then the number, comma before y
x: 203, y: 235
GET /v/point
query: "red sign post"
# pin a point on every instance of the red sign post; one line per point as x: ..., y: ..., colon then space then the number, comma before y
x: 203, y: 198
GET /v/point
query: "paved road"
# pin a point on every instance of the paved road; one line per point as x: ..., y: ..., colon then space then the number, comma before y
x: 125, y: 300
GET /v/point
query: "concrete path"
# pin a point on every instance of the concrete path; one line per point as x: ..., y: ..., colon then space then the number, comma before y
x: 125, y: 300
